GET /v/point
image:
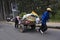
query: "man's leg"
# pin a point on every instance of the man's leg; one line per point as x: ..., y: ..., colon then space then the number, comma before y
x: 41, y: 29
x: 45, y: 28
x: 15, y: 25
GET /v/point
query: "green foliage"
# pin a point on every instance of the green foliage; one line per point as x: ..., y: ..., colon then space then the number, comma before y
x: 40, y: 6
x: 21, y: 15
x: 56, y: 17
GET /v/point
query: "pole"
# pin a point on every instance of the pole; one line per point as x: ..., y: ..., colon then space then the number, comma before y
x: 13, y: 14
x: 4, y: 10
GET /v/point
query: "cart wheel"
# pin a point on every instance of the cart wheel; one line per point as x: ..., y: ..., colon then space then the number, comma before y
x: 22, y: 28
x: 33, y: 27
x: 18, y: 26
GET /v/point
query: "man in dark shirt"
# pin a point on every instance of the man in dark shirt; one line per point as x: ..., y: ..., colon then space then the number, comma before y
x: 16, y: 21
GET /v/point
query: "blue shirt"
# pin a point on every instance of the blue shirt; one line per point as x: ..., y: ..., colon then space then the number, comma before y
x: 45, y: 17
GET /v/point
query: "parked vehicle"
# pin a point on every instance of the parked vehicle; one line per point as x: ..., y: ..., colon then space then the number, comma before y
x: 8, y: 19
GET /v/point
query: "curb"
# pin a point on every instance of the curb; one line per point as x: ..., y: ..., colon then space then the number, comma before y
x: 54, y: 27
x: 49, y: 26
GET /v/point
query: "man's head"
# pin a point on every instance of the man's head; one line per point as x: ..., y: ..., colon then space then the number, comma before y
x: 49, y: 9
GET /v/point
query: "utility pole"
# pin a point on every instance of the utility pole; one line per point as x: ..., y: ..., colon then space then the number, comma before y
x: 14, y: 8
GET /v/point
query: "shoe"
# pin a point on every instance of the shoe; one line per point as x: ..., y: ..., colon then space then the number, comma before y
x: 41, y: 31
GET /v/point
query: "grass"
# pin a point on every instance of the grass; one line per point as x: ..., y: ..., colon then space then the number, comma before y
x: 56, y: 18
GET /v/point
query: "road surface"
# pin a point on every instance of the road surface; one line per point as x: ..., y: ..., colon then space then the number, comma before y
x: 8, y: 32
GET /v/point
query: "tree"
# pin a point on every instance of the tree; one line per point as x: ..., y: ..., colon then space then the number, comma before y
x: 38, y: 5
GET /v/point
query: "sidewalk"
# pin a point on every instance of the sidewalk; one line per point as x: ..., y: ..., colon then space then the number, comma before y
x: 49, y: 24
x: 53, y: 25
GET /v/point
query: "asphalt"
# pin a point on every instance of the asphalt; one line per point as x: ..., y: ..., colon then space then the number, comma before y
x: 8, y: 32
x: 49, y: 24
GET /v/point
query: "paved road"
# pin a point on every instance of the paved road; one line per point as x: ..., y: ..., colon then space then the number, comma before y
x: 8, y: 32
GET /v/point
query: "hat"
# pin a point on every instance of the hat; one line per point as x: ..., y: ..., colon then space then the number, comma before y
x: 49, y: 9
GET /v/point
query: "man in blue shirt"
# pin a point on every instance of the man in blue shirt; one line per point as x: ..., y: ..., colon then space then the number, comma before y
x: 44, y: 19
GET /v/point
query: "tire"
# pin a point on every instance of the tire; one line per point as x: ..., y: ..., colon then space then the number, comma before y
x: 22, y: 28
x: 33, y: 27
